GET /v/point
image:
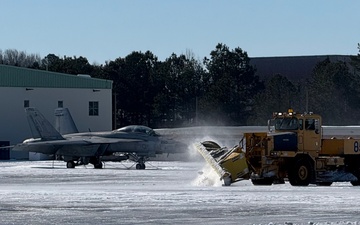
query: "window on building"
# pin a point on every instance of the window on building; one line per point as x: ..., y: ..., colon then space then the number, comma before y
x: 93, y: 108
x: 26, y: 103
x: 60, y: 104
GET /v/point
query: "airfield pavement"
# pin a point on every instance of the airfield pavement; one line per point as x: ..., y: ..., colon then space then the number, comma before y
x: 167, y: 192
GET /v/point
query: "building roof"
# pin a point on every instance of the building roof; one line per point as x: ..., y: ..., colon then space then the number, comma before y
x: 12, y: 76
x: 295, y: 68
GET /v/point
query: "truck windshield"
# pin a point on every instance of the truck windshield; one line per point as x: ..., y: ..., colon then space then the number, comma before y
x: 286, y: 123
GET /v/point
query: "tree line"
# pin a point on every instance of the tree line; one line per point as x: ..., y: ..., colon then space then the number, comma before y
x: 222, y: 89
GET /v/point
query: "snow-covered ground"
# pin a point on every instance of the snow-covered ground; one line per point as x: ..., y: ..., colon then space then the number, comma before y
x: 45, y: 192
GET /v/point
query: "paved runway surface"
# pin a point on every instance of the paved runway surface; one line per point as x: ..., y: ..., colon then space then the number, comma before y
x: 45, y: 192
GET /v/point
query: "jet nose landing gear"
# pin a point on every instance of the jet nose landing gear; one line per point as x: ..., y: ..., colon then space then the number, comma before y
x: 139, y: 160
x: 140, y: 166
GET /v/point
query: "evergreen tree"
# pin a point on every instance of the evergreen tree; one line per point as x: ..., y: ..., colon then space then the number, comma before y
x: 179, y: 86
x: 230, y: 87
x: 279, y: 95
x: 355, y: 60
x: 134, y: 79
x: 334, y: 93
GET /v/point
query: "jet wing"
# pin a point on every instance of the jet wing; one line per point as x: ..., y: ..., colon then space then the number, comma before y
x: 100, y: 140
x: 85, y: 141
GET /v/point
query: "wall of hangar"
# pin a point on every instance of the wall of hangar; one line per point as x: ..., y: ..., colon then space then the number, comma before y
x: 14, y: 127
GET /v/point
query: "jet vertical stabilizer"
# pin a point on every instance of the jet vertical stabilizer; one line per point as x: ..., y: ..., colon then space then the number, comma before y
x: 40, y: 127
x: 64, y: 122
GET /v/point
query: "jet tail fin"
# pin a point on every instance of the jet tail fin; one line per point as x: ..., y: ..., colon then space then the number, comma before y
x: 64, y: 122
x: 40, y: 126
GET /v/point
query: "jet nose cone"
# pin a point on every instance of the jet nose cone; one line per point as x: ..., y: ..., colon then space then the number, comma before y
x: 19, y: 147
x: 180, y: 147
x: 173, y: 146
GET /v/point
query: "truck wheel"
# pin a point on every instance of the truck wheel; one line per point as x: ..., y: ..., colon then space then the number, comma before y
x: 300, y: 174
x: 356, y: 173
x: 262, y: 181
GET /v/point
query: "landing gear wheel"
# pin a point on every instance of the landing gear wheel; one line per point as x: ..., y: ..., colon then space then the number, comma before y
x: 70, y: 164
x: 98, y: 165
x: 301, y: 173
x: 140, y: 166
x: 262, y: 181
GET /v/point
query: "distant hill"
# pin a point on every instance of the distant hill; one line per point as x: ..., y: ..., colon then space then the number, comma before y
x: 295, y: 68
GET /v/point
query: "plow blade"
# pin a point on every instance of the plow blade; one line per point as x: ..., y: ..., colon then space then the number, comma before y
x: 229, y: 164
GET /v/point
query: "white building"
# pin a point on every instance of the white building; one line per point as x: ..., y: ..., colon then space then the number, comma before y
x: 89, y: 101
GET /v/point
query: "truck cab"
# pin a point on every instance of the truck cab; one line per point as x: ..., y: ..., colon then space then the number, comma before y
x: 291, y: 129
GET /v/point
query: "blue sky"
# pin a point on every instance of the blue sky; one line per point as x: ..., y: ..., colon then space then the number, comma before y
x: 103, y: 30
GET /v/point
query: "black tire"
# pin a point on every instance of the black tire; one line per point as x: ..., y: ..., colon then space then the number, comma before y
x: 301, y: 173
x: 140, y: 166
x: 70, y: 164
x: 98, y: 165
x: 263, y: 181
x: 356, y: 173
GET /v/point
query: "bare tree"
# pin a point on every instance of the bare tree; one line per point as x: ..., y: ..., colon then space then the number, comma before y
x: 19, y: 58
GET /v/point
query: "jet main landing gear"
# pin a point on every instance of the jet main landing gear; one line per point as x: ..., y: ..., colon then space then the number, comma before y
x: 70, y: 164
x: 98, y: 164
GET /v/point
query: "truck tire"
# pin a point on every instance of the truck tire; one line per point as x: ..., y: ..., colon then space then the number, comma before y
x: 356, y: 173
x: 301, y: 173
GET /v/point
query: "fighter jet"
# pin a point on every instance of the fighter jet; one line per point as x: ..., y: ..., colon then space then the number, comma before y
x: 135, y: 142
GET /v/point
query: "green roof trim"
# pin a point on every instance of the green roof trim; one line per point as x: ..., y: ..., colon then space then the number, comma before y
x: 12, y: 76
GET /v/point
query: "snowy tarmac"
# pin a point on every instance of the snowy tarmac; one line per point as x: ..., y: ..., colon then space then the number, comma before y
x: 172, y: 192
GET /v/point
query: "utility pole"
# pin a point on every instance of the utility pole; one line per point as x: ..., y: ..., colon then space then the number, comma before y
x: 307, y: 100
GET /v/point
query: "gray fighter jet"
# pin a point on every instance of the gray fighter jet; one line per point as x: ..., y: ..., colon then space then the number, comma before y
x: 135, y: 142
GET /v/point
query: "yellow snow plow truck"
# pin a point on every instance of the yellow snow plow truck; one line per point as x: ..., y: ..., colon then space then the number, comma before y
x: 293, y: 150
